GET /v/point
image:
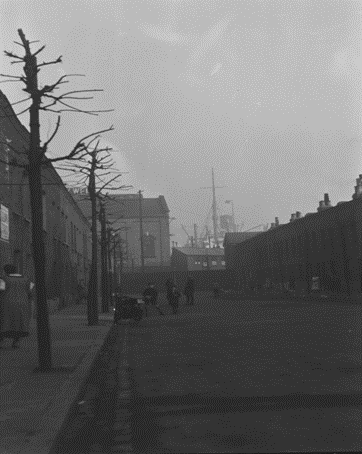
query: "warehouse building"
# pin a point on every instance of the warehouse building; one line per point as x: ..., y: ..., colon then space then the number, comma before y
x: 320, y: 251
x: 230, y: 241
x: 192, y: 259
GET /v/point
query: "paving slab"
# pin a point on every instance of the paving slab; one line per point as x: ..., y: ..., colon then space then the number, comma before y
x: 34, y: 405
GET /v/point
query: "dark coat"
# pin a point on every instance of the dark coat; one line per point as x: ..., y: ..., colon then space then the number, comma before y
x: 15, y: 306
x: 174, y: 296
x: 189, y: 287
x: 169, y: 286
x: 152, y: 292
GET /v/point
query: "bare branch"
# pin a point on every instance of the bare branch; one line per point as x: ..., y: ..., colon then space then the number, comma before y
x: 81, y: 91
x: 79, y: 147
x: 38, y: 51
x: 50, y: 88
x: 107, y: 183
x: 11, y: 55
x: 20, y: 44
x: 9, y: 80
x: 23, y: 111
x: 18, y: 102
x: 8, y: 75
x: 45, y: 146
x: 73, y: 97
x: 58, y: 60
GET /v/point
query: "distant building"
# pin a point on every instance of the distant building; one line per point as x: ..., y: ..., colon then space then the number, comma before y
x: 123, y: 212
x: 230, y: 240
x: 187, y: 258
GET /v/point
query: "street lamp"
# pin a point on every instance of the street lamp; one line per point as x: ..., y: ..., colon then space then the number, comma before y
x: 232, y: 210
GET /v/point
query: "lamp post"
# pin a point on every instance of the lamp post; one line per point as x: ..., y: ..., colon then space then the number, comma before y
x: 141, y: 231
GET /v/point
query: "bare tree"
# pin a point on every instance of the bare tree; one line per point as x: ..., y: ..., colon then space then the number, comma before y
x: 87, y: 169
x: 34, y: 159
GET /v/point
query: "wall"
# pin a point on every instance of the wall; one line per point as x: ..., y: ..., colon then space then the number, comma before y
x: 65, y: 264
x: 325, y: 245
x: 157, y: 227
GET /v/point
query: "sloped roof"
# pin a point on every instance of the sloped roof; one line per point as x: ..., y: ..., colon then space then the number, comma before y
x: 200, y: 251
x: 238, y: 237
x: 127, y: 207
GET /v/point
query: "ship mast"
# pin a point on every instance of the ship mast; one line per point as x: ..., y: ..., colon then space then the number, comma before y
x: 214, y: 208
x: 214, y: 211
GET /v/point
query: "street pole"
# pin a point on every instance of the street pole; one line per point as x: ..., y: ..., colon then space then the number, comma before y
x: 141, y: 232
x: 214, y: 212
x: 109, y: 270
x: 102, y: 219
x: 115, y: 273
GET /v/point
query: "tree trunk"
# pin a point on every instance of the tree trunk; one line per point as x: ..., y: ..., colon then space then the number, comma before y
x: 92, y: 298
x: 36, y: 203
x: 104, y: 275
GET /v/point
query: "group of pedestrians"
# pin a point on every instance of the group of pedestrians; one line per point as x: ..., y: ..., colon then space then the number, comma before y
x: 172, y: 293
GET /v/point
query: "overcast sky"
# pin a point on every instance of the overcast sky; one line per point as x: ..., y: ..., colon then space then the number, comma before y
x: 266, y: 92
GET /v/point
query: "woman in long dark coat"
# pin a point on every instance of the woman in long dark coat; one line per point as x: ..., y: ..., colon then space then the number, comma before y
x: 189, y: 291
x: 15, y: 306
x: 174, y: 299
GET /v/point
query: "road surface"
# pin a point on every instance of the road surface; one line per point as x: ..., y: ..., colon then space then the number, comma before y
x: 234, y: 376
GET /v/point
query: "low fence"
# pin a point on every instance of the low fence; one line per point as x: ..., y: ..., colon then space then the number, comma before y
x: 204, y: 280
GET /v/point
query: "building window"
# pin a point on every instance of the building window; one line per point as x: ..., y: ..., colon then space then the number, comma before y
x: 214, y: 263
x: 4, y: 225
x: 204, y: 264
x: 197, y: 262
x: 223, y: 262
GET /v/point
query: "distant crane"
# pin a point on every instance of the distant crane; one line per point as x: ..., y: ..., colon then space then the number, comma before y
x: 191, y: 238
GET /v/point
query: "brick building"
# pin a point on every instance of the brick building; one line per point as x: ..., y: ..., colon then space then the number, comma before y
x: 188, y: 258
x: 231, y: 239
x: 66, y: 230
x: 123, y: 212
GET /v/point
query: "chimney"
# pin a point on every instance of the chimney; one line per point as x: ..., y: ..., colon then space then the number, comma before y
x: 276, y: 222
x: 298, y: 214
x: 272, y: 225
x: 293, y: 217
x: 326, y: 200
x: 321, y: 206
x: 358, y: 188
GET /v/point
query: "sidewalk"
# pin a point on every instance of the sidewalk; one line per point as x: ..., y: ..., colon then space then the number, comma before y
x: 34, y: 405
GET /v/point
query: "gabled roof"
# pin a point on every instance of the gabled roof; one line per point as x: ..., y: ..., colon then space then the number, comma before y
x: 238, y: 237
x: 200, y: 251
x: 122, y: 207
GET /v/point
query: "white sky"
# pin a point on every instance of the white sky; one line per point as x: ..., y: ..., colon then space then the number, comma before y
x: 266, y: 92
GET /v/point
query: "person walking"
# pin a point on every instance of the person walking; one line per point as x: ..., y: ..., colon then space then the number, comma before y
x: 189, y: 291
x: 150, y: 295
x: 169, y: 285
x: 81, y: 292
x: 174, y: 299
x: 15, y: 306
